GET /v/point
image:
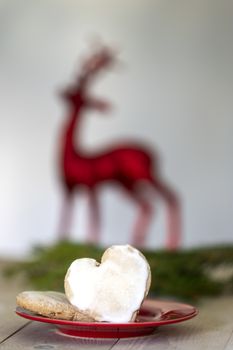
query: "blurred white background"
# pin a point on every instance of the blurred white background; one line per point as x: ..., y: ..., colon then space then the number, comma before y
x: 174, y: 92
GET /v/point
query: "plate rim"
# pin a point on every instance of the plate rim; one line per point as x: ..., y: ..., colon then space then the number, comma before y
x: 159, y: 322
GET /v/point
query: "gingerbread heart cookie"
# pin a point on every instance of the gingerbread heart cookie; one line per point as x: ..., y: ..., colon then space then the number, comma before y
x: 110, y: 291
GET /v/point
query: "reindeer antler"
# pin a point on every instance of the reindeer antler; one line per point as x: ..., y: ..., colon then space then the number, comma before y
x: 101, y: 58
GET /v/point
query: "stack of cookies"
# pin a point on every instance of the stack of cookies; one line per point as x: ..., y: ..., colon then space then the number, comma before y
x: 110, y: 291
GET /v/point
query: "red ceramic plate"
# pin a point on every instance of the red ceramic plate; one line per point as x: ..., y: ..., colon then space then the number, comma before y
x: 152, y: 314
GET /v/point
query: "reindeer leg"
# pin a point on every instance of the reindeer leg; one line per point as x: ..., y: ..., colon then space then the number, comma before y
x: 173, y: 214
x: 143, y: 219
x: 65, y: 217
x: 93, y: 235
x: 142, y: 223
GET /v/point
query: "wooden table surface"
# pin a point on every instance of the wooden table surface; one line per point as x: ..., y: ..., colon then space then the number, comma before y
x: 211, y: 329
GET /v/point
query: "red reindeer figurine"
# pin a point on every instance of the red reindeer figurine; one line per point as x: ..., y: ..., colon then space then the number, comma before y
x: 129, y: 165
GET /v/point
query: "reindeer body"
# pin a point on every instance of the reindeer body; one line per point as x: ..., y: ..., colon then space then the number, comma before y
x: 123, y: 164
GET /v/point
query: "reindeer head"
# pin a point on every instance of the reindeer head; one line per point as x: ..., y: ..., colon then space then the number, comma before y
x: 99, y: 59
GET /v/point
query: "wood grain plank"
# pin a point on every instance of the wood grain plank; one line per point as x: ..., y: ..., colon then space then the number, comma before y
x: 9, y: 288
x: 210, y: 330
x: 9, y: 324
x: 44, y: 336
x: 229, y: 343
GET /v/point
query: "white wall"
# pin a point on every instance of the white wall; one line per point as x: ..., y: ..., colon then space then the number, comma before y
x: 175, y: 90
